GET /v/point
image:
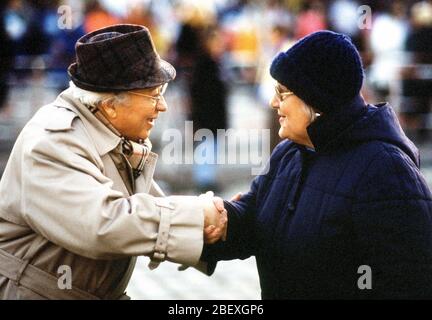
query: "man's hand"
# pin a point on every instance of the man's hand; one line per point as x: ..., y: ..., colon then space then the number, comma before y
x: 212, y: 232
x: 215, y: 219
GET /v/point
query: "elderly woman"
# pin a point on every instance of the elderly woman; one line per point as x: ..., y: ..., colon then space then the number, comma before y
x: 77, y: 198
x: 343, y: 211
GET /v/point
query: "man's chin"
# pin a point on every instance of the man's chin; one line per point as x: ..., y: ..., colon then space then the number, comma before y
x: 139, y: 138
x: 144, y: 135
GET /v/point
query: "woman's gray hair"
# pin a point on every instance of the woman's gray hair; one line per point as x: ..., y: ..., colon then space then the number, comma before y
x: 314, y: 114
x: 94, y: 99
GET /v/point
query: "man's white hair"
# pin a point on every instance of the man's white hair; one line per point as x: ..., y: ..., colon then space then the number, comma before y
x: 94, y: 99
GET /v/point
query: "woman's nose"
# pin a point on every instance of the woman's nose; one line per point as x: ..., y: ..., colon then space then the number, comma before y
x: 274, y: 102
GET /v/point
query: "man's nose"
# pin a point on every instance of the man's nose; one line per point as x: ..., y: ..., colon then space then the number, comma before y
x: 161, y: 105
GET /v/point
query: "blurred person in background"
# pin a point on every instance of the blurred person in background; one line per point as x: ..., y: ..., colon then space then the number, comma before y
x: 276, y: 35
x: 188, y: 46
x: 16, y: 24
x: 36, y: 40
x: 208, y: 95
x: 62, y: 54
x: 97, y: 17
x: 342, y: 191
x: 241, y: 27
x: 78, y: 189
x: 343, y: 18
x: 416, y: 77
x: 281, y: 39
x: 141, y: 13
x: 63, y: 40
x: 312, y: 18
x: 387, y: 41
x: 6, y: 55
x: 200, y: 46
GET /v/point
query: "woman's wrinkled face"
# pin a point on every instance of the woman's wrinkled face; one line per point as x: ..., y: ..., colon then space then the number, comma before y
x: 135, y: 115
x: 294, y: 115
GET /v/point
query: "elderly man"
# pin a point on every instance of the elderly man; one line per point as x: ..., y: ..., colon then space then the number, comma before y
x: 77, y: 194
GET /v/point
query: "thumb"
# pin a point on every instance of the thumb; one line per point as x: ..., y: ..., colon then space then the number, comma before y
x: 237, y: 196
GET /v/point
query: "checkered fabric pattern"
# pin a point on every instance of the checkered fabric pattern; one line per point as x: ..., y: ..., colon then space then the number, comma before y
x: 118, y: 58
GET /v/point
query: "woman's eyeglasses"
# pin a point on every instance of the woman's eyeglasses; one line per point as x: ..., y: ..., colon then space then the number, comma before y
x: 282, y: 95
x: 156, y: 98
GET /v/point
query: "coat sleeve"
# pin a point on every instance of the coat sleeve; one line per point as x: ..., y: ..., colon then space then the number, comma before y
x: 241, y: 242
x: 242, y: 238
x: 392, y: 223
x: 67, y: 199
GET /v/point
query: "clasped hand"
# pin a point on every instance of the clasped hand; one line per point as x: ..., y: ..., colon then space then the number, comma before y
x: 215, y: 217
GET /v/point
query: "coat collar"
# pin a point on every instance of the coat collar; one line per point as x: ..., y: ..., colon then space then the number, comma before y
x: 325, y: 133
x: 105, y: 140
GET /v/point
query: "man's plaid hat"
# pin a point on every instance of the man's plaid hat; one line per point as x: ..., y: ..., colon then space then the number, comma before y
x: 118, y: 58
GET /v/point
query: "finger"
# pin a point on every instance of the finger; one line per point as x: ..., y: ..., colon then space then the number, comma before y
x: 223, y: 224
x: 210, y: 241
x: 214, y: 236
x: 223, y: 218
x: 208, y: 230
x: 216, y: 233
x: 237, y: 197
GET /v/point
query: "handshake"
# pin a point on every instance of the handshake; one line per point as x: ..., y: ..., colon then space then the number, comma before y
x: 215, y: 217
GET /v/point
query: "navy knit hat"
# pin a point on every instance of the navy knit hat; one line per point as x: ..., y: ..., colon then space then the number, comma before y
x: 324, y: 69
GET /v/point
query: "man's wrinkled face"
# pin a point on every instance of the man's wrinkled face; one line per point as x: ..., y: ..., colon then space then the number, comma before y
x: 135, y: 115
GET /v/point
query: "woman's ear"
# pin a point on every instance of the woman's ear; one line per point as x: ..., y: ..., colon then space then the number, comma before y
x: 109, y: 109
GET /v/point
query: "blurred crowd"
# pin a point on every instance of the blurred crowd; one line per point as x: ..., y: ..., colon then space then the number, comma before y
x: 215, y: 44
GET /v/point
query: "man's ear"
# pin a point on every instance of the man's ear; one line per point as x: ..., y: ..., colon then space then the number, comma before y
x: 109, y: 109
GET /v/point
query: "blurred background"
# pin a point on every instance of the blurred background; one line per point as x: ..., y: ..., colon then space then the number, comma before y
x: 221, y: 50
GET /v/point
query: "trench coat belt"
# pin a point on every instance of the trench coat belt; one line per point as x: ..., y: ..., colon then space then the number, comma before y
x: 41, y: 282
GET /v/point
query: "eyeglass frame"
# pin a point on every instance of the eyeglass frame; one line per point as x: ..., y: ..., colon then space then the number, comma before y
x: 282, y: 95
x: 157, y: 98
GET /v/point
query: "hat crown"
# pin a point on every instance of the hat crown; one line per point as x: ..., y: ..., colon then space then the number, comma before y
x: 104, y: 36
x: 324, y: 69
x: 119, y: 57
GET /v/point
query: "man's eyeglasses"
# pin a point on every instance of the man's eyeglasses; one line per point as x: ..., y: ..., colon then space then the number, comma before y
x: 282, y: 95
x: 156, y: 98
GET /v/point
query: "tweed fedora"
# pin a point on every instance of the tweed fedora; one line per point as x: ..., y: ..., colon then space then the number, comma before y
x: 118, y: 58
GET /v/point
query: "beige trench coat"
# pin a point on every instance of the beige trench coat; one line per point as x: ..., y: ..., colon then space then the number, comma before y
x: 63, y: 202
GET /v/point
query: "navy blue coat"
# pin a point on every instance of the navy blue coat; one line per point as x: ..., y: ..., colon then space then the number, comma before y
x: 317, y: 216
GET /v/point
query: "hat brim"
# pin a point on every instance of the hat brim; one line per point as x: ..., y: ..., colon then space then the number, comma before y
x: 164, y: 74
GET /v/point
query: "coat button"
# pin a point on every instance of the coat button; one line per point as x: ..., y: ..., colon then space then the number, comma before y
x: 291, y: 207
